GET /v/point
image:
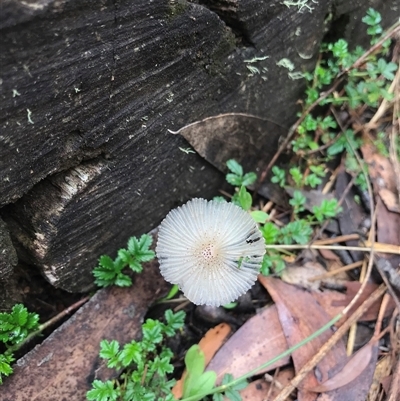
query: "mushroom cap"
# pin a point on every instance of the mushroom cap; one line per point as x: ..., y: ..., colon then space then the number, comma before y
x: 213, y: 250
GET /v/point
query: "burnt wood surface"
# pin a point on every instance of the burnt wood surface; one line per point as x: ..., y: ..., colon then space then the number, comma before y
x: 89, y: 90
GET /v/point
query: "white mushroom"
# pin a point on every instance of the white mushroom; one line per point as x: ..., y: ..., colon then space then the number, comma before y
x: 212, y: 250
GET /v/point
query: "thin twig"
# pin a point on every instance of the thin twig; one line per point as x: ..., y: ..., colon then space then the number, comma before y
x: 336, y: 271
x: 336, y: 240
x: 378, y: 247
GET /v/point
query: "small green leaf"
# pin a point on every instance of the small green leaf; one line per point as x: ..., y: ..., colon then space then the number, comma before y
x: 270, y: 233
x: 172, y: 292
x: 195, y: 360
x: 175, y: 320
x: 279, y: 176
x: 231, y: 305
x: 122, y: 280
x: 259, y: 216
x: 106, y: 262
x: 234, y: 167
x: 5, y: 365
x: 234, y: 180
x: 233, y: 395
x: 102, y: 391
x: 109, y: 350
x: 297, y: 176
x: 245, y: 198
x: 132, y: 352
x: 372, y: 18
x: 249, y: 178
x: 152, y: 331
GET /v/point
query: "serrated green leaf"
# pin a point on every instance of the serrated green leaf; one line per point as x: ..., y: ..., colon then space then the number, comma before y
x: 109, y: 349
x: 152, y: 331
x: 145, y: 255
x: 122, y: 280
x: 133, y: 245
x: 249, y: 178
x: 175, y: 320
x: 270, y: 233
x: 235, y: 167
x: 106, y: 262
x: 132, y: 352
x: 234, y: 180
x: 33, y: 321
x: 102, y: 391
x: 5, y: 365
x: 136, y: 266
x: 19, y: 314
x: 145, y: 241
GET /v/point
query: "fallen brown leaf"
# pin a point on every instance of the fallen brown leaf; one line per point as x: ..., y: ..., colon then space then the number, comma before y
x: 301, y: 315
x: 353, y: 368
x: 260, y: 339
x: 390, y: 200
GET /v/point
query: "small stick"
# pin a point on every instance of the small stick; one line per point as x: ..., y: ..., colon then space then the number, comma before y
x: 336, y: 271
x: 335, y: 240
x: 378, y: 247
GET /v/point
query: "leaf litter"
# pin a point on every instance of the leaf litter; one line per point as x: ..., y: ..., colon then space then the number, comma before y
x: 310, y: 293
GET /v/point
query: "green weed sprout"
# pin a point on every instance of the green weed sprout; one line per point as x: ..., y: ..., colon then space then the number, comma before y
x: 109, y: 272
x: 146, y: 364
x: 14, y: 329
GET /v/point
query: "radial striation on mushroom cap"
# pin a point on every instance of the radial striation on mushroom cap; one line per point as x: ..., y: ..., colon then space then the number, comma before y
x: 212, y: 250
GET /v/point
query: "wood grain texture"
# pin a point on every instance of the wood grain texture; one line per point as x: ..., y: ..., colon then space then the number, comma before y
x: 95, y: 85
x: 8, y: 256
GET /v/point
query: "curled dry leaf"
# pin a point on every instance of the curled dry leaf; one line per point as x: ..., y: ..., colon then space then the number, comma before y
x: 390, y: 200
x: 240, y: 355
x: 353, y: 369
x: 248, y: 139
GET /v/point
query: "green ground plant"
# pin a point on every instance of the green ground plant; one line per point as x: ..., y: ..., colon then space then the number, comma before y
x: 145, y: 364
x: 109, y: 271
x: 319, y: 138
x: 14, y: 329
x: 297, y: 231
